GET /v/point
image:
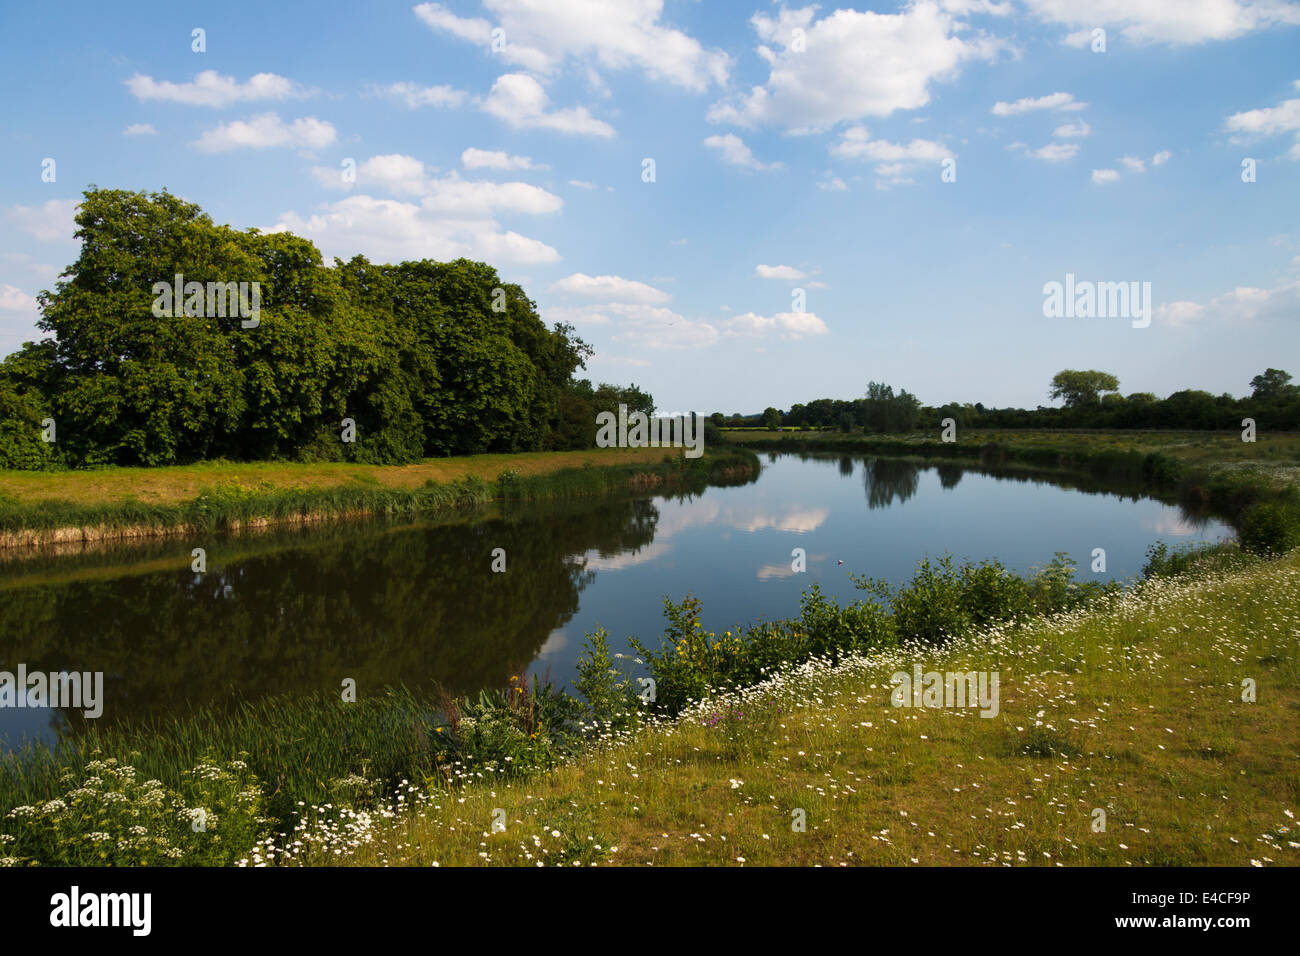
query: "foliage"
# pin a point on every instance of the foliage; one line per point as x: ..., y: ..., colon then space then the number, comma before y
x: 1081, y: 388
x: 1270, y: 527
x: 425, y: 358
x: 111, y: 817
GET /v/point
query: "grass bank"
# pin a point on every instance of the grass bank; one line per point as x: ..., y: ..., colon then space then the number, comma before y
x: 127, y: 503
x: 1122, y: 738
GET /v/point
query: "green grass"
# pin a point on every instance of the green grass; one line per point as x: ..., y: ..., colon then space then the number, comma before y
x: 236, y: 502
x: 1133, y: 708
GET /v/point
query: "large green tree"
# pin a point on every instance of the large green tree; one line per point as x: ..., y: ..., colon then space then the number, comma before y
x: 1081, y: 389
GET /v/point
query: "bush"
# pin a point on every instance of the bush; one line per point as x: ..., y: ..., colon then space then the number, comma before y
x: 112, y: 818
x: 1269, y: 528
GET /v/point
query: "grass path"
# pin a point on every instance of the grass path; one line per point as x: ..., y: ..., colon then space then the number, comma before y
x: 1133, y: 708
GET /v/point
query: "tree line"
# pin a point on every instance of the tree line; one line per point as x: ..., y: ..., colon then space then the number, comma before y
x: 424, y: 358
x: 1090, y: 399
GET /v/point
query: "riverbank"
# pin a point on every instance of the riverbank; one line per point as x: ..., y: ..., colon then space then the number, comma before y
x: 113, y: 504
x: 1169, y: 707
x: 1122, y: 738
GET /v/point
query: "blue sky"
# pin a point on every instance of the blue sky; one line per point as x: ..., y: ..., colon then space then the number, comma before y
x: 794, y: 148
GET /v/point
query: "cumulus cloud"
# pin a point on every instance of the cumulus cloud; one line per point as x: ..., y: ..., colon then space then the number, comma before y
x: 613, y: 288
x: 14, y: 299
x: 789, y: 325
x: 51, y: 221
x: 1134, y: 164
x: 894, y: 160
x: 496, y: 159
x: 1029, y: 104
x: 416, y: 96
x: 1072, y: 130
x: 210, y: 88
x: 779, y: 272
x: 140, y: 129
x: 390, y: 230
x: 1243, y: 304
x: 1283, y: 119
x: 1160, y: 21
x: 856, y: 64
x: 1054, y: 152
x: 541, y: 37
x: 520, y: 101
x: 733, y: 151
x: 267, y: 131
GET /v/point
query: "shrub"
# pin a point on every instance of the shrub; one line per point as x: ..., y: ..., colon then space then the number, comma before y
x: 112, y: 818
x: 1269, y: 528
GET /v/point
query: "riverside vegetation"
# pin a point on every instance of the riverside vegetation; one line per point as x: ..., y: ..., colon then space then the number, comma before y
x: 316, y: 779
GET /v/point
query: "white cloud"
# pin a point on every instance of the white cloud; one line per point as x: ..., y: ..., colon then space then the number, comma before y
x: 582, y: 184
x: 856, y: 64
x: 210, y: 88
x: 1134, y: 164
x: 833, y: 184
x: 613, y: 288
x: 1162, y: 21
x: 1103, y: 176
x: 1072, y: 130
x: 389, y: 230
x: 644, y: 326
x: 402, y: 175
x: 856, y: 143
x: 779, y: 272
x: 437, y: 17
x: 51, y: 221
x: 140, y: 129
x: 14, y: 299
x: 990, y: 7
x: 1029, y: 104
x: 265, y: 131
x: 1160, y: 158
x: 416, y: 96
x: 541, y: 36
x: 1270, y: 121
x: 733, y: 151
x: 518, y: 99
x: 1054, y: 152
x: 1243, y: 304
x: 895, y: 160
x: 495, y: 159
x: 790, y: 325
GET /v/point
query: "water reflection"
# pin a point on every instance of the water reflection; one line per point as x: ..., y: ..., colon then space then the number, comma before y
x: 417, y: 604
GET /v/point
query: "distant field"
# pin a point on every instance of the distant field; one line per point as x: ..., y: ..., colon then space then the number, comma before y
x: 175, y: 484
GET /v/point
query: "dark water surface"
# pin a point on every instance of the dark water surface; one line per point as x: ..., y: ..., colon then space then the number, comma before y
x: 418, y: 604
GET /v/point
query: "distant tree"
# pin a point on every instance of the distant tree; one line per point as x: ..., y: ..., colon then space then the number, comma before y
x: 1081, y: 389
x: 1272, y: 384
x: 718, y: 419
x: 771, y: 418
